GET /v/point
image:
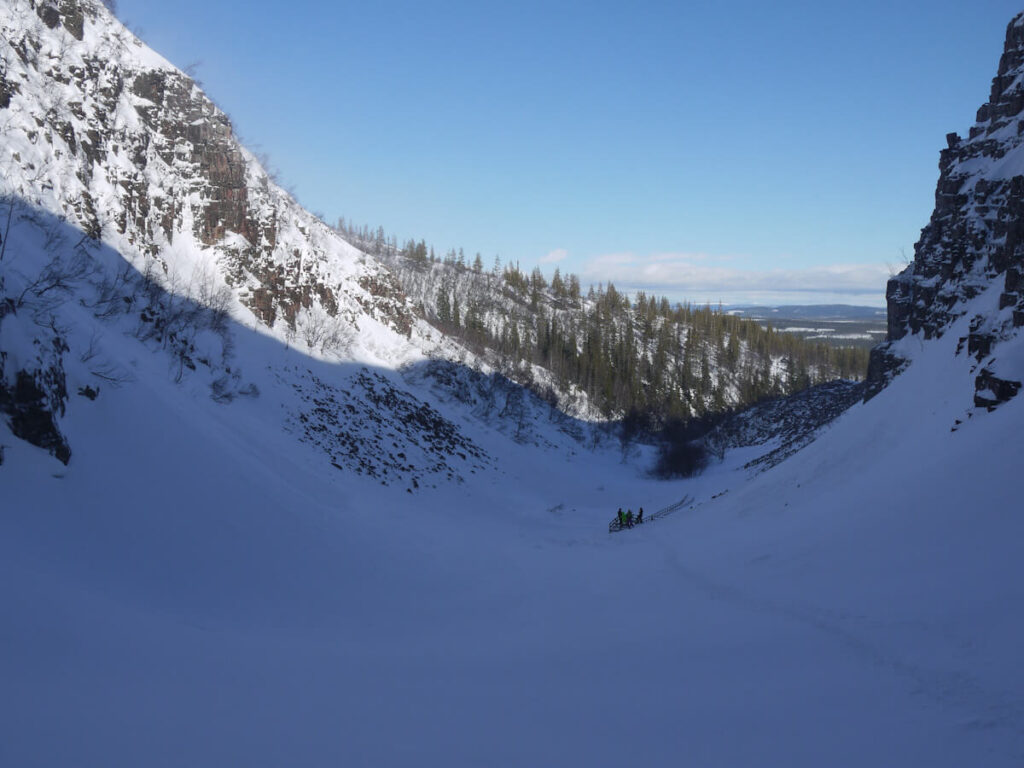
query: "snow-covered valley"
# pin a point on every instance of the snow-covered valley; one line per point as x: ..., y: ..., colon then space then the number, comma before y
x: 188, y: 591
x: 254, y: 510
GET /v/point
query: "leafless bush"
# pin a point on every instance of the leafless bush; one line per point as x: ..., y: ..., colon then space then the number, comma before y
x: 92, y: 350
x: 99, y: 366
x: 215, y: 297
x: 152, y: 291
x: 322, y: 332
x: 10, y: 205
x: 174, y: 313
x: 267, y: 163
x: 168, y: 316
x: 111, y: 373
x: 114, y: 294
x: 60, y: 276
x: 191, y: 71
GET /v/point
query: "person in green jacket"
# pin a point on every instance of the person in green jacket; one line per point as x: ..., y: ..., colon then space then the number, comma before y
x: 629, y: 518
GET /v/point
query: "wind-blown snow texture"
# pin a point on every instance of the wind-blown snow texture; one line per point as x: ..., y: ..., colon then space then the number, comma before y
x: 199, y: 586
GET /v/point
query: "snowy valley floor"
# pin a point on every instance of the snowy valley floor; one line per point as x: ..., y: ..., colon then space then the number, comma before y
x: 188, y: 592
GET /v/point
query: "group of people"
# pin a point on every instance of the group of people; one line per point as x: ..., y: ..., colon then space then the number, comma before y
x: 628, y: 520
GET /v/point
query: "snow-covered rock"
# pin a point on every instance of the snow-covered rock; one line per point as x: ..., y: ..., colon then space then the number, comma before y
x: 129, y: 209
x: 970, y: 258
x: 104, y: 133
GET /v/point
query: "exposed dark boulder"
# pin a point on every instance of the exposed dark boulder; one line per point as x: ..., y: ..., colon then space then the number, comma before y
x: 49, y: 14
x: 30, y: 416
x: 1013, y: 281
x: 89, y: 392
x: 66, y: 12
x: 73, y: 18
x: 149, y: 86
x: 979, y: 345
x: 33, y: 385
x: 991, y: 391
x: 7, y: 90
x: 883, y: 366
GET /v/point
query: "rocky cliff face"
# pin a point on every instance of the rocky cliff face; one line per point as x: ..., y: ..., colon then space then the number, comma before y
x: 974, y: 242
x: 132, y: 221
x: 101, y: 130
x: 124, y: 190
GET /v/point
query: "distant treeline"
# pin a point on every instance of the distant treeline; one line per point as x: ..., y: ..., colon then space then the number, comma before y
x: 644, y: 359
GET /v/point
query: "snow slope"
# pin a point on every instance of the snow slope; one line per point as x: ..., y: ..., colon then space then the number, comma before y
x: 104, y: 135
x: 185, y: 594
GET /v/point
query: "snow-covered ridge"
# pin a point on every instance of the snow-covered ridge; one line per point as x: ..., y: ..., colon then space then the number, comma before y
x: 104, y: 133
x: 131, y: 215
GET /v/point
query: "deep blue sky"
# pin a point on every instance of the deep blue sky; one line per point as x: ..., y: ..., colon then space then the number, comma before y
x: 714, y: 150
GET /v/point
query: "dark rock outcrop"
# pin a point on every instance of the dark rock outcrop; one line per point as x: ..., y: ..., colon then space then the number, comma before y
x: 794, y: 421
x: 68, y: 13
x: 883, y: 366
x: 178, y: 172
x: 33, y: 396
x: 990, y: 390
x: 7, y: 90
x: 411, y: 443
x: 975, y: 237
x: 29, y: 405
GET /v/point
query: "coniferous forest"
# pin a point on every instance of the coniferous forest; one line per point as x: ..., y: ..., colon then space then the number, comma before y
x: 640, y: 358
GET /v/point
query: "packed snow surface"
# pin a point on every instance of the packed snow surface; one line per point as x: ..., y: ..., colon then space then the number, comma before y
x: 194, y: 590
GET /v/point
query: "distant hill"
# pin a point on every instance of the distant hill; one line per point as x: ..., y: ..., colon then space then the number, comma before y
x: 812, y: 311
x: 840, y: 325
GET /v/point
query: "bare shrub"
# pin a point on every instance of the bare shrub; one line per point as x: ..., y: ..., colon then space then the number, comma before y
x: 113, y: 294
x: 60, y: 276
x: 206, y: 290
x: 322, y: 332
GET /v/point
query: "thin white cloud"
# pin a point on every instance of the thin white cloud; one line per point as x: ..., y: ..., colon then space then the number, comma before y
x: 701, y: 274
x: 553, y: 257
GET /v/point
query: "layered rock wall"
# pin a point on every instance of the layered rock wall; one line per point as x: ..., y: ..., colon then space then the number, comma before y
x: 101, y: 130
x: 975, y: 238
